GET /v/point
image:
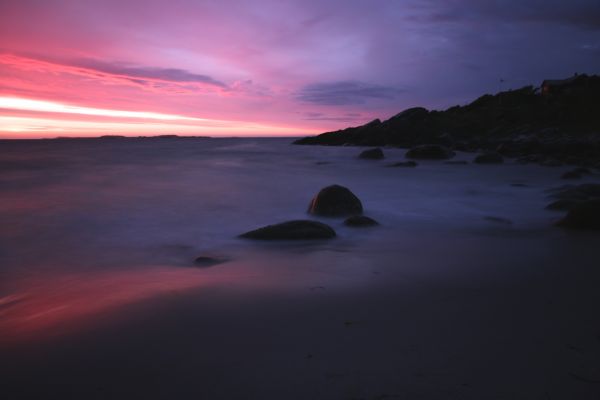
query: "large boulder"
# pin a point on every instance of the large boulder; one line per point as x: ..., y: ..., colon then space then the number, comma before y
x: 489, y: 158
x: 372, y: 154
x: 292, y: 230
x: 584, y: 215
x: 335, y: 201
x: 430, y: 152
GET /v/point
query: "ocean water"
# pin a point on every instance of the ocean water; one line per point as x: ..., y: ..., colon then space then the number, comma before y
x: 93, y: 231
x: 76, y: 207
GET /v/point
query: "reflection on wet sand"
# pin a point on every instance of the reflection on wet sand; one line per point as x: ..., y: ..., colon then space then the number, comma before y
x: 46, y: 302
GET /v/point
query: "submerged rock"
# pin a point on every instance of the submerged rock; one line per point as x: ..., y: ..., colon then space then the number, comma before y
x: 430, y: 152
x: 576, y: 173
x: 360, y: 221
x: 409, y: 164
x: 583, y: 215
x: 335, y: 200
x: 562, y: 205
x: 209, y: 260
x: 292, y: 230
x: 372, y: 154
x: 571, y: 175
x: 551, y: 163
x: 586, y: 191
x: 499, y: 220
x: 489, y: 158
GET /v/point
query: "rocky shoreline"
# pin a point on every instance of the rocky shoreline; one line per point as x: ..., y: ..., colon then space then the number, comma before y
x: 553, y: 125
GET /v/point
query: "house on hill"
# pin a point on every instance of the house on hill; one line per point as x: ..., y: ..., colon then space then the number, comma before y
x: 562, y: 86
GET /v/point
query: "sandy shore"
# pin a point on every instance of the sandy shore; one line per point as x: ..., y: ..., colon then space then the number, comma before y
x: 100, y: 299
x: 523, y: 327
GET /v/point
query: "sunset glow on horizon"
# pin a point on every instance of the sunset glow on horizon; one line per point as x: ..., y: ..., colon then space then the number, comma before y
x: 271, y: 68
x: 117, y: 121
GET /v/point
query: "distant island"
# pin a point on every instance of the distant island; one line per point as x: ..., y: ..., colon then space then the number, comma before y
x: 118, y: 137
x: 558, y: 121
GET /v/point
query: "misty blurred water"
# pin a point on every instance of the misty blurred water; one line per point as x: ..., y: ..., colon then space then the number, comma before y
x: 96, y: 206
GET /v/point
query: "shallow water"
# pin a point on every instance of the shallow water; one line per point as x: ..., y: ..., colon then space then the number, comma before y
x: 89, y: 227
x: 126, y: 209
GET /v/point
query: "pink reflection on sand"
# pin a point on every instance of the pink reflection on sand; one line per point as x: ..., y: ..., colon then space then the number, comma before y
x: 47, y: 305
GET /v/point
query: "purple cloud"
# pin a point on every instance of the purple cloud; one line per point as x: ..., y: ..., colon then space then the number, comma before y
x: 344, y: 93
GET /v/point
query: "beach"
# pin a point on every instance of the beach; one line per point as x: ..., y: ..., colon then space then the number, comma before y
x: 466, y: 289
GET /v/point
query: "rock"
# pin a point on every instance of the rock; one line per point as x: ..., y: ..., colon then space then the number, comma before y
x: 360, y: 221
x: 372, y: 154
x: 292, y: 230
x: 584, y: 215
x: 461, y: 162
x: 551, y: 163
x: 430, y: 152
x: 499, y: 220
x: 532, y: 158
x: 562, y: 205
x: 489, y: 158
x: 335, y: 200
x: 409, y: 164
x: 576, y: 173
x: 586, y: 191
x: 571, y: 175
x: 524, y: 123
x: 209, y: 260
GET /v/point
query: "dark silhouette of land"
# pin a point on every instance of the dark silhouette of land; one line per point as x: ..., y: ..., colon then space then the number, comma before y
x: 560, y: 120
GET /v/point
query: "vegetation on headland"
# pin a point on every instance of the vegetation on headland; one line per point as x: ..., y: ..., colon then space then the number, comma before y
x: 561, y: 120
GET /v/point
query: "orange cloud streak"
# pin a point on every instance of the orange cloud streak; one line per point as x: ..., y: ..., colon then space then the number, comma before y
x: 142, y: 82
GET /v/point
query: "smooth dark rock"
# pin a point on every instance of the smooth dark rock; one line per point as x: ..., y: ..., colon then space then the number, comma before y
x: 583, y: 171
x: 209, y: 260
x: 292, y: 230
x: 576, y: 173
x: 360, y: 221
x: 489, y: 158
x: 551, y: 163
x: 586, y: 191
x: 334, y: 201
x: 584, y: 215
x: 372, y: 154
x: 430, y: 152
x: 409, y: 164
x: 571, y: 175
x: 499, y: 220
x: 562, y: 205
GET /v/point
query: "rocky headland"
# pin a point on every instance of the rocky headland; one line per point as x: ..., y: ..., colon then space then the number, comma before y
x: 555, y: 124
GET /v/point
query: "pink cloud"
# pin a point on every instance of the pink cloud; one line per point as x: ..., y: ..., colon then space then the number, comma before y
x: 153, y: 79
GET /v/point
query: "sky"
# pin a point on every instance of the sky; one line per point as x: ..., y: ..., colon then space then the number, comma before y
x: 272, y: 67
